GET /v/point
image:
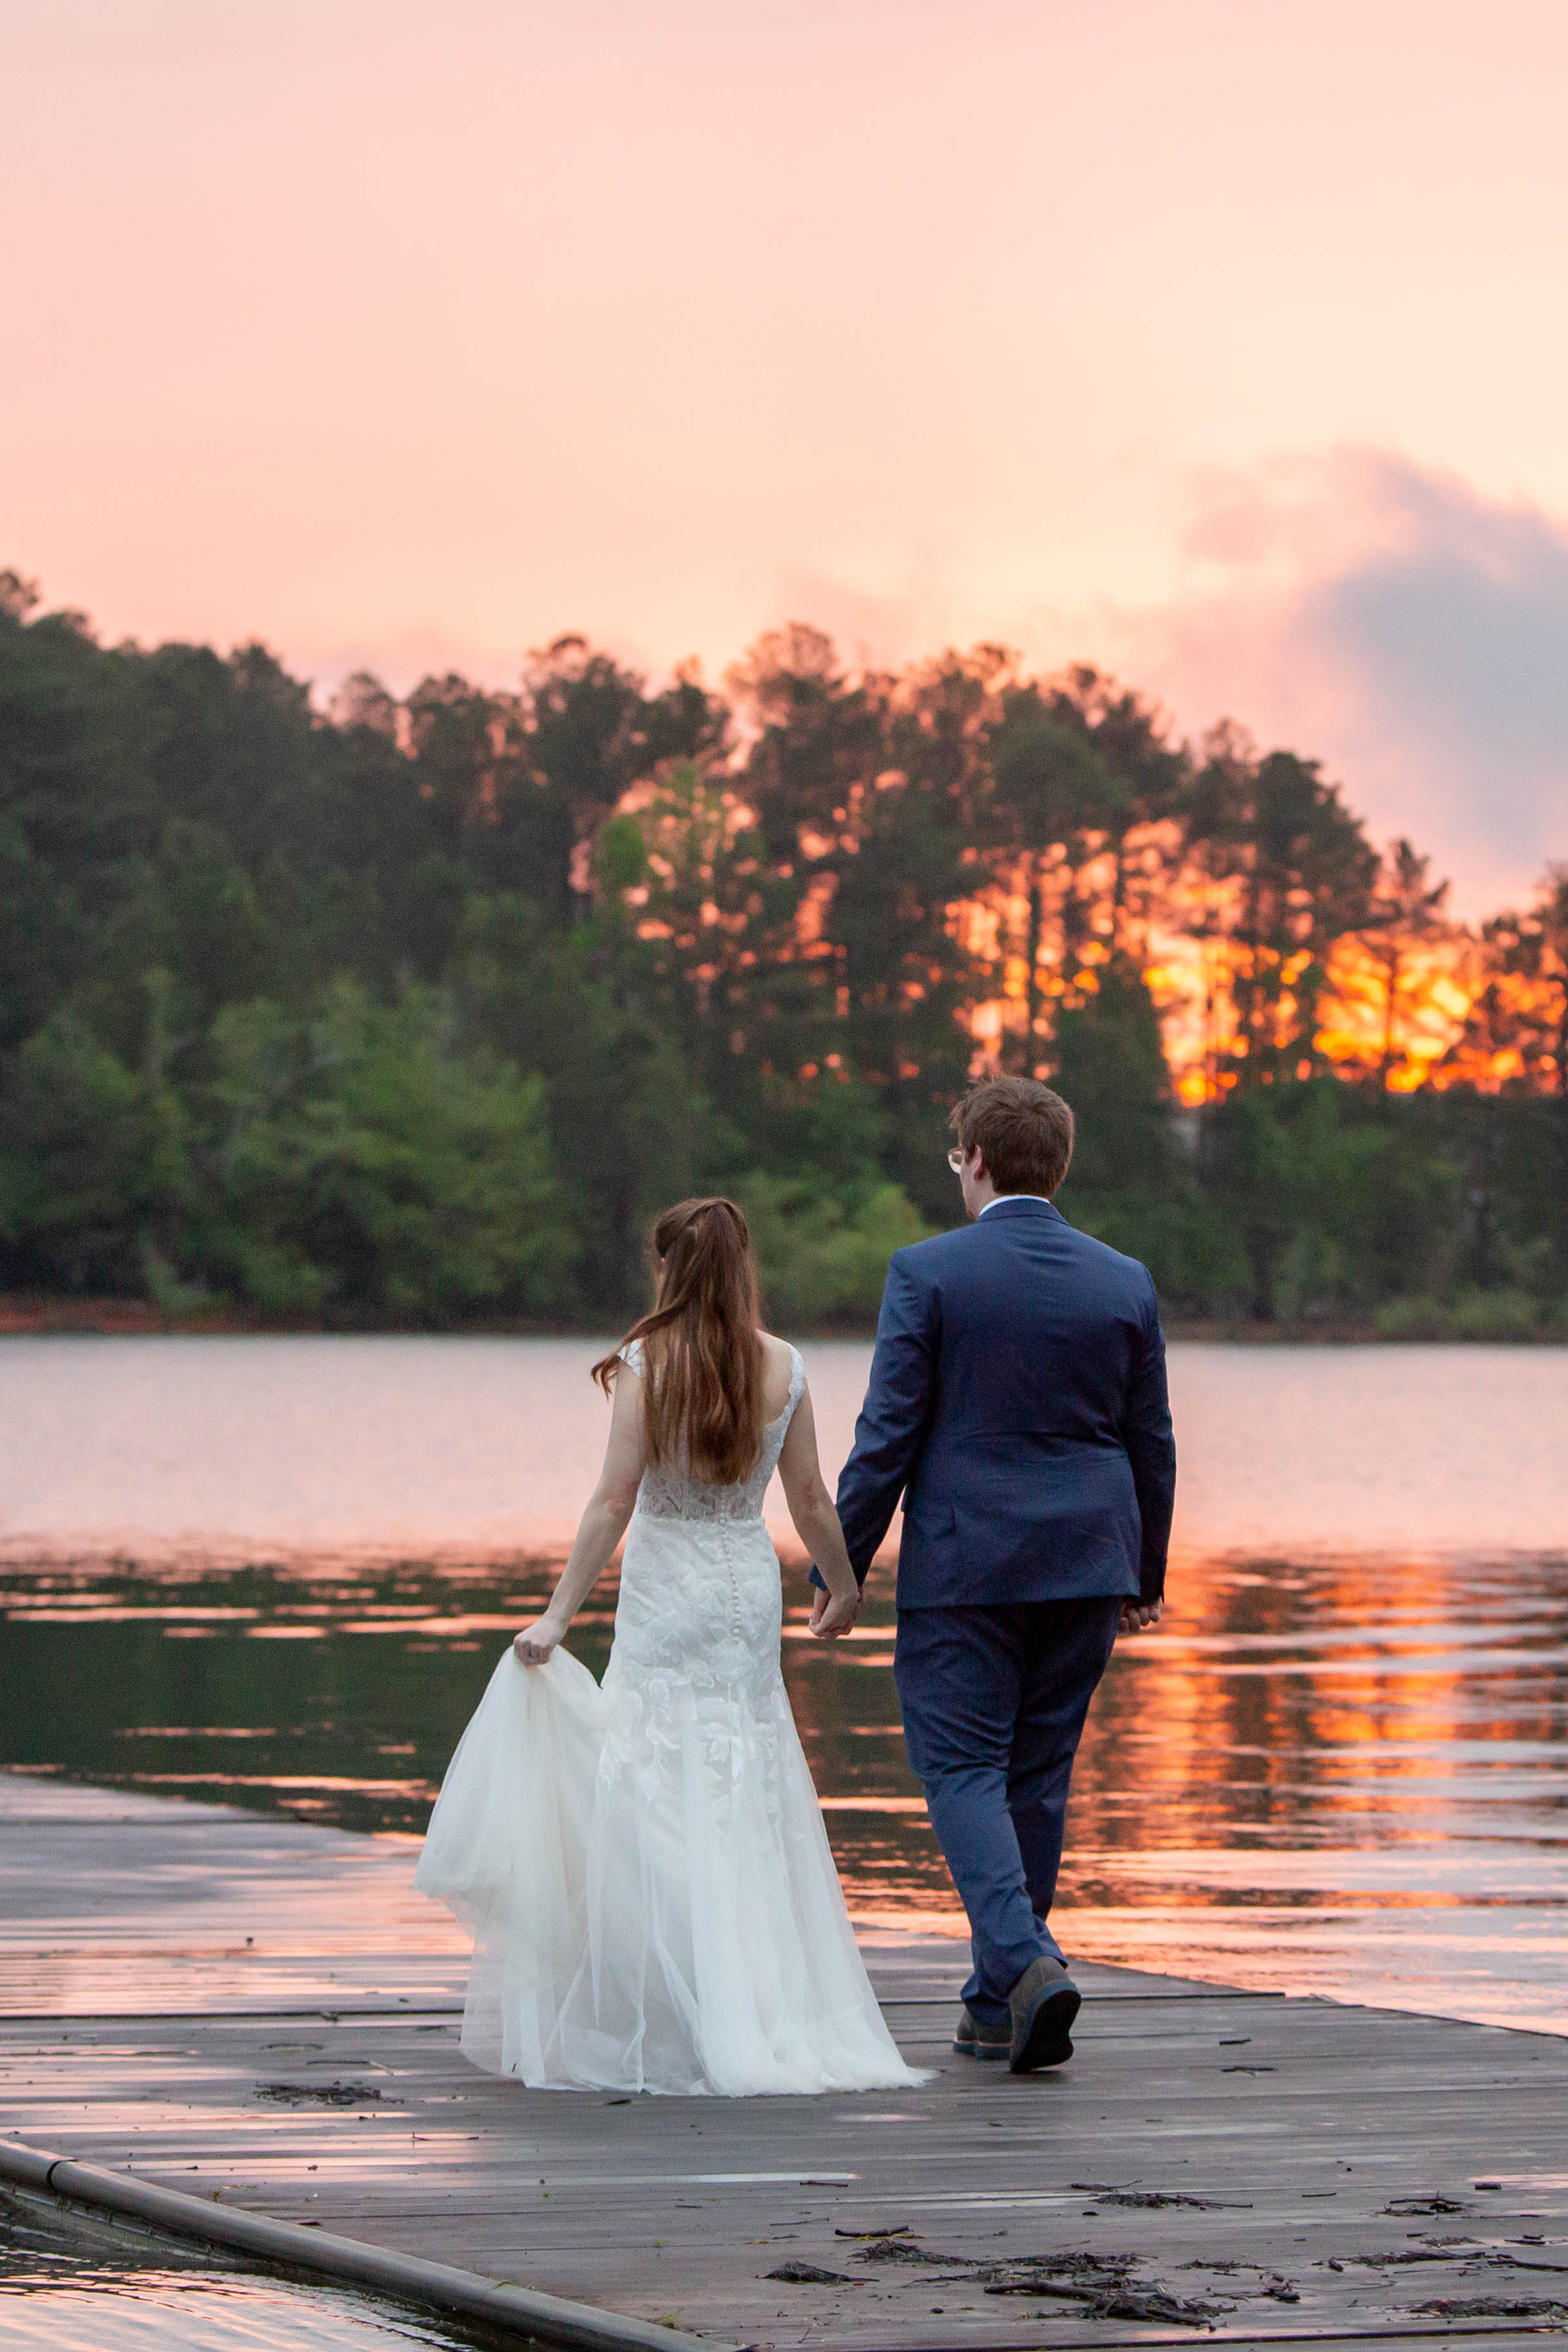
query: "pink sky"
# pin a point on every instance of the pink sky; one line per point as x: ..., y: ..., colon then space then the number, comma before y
x: 1224, y: 344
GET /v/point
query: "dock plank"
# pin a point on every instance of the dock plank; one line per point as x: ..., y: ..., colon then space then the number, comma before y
x: 1277, y: 2133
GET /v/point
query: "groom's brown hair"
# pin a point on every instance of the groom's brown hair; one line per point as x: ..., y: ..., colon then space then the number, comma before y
x: 1022, y: 1130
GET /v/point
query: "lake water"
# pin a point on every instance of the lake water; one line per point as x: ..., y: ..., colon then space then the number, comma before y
x: 278, y: 1571
x: 69, y: 2284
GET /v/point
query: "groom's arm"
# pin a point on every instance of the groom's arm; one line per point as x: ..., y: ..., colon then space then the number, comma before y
x: 1151, y: 1450
x: 894, y: 1417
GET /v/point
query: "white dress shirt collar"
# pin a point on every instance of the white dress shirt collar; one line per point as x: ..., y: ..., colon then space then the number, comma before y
x: 996, y: 1203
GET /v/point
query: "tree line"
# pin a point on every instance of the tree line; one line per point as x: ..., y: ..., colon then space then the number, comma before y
x: 411, y: 1012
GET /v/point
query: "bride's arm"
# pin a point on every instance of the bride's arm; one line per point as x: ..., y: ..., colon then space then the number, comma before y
x: 604, y: 1523
x: 816, y: 1522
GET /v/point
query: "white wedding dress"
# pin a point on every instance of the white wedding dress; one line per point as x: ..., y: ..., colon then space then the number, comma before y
x: 643, y: 1862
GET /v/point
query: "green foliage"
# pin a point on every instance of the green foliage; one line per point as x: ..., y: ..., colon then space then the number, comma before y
x: 78, y: 1161
x: 1501, y: 1316
x: 417, y: 1013
x: 371, y: 1167
x: 1332, y: 1200
x: 1109, y: 1063
x: 824, y: 1255
x: 1132, y: 1182
x: 628, y: 1124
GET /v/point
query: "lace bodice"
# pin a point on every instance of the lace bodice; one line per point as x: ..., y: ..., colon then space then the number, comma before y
x: 669, y: 1492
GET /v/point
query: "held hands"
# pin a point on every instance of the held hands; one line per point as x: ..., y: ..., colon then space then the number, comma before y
x: 1138, y: 1615
x: 830, y: 1616
x: 536, y: 1642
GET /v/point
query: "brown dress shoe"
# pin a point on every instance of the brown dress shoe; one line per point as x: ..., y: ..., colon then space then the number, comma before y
x: 1043, y: 2002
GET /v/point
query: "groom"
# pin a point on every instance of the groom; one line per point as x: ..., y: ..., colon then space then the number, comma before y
x: 1017, y: 1405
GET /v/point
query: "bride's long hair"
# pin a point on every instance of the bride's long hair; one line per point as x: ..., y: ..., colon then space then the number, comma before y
x: 702, y: 1360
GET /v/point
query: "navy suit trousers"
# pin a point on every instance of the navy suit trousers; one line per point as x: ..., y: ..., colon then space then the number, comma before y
x: 993, y: 1701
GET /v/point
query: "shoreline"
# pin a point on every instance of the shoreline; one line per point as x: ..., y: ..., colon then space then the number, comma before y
x: 44, y: 1317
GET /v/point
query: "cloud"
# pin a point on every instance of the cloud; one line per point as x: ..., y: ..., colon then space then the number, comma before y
x: 1397, y: 623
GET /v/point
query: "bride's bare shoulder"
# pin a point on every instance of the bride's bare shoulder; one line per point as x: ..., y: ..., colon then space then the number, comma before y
x: 777, y: 1370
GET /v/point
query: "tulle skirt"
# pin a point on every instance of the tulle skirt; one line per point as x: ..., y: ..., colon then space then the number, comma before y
x: 654, y: 1904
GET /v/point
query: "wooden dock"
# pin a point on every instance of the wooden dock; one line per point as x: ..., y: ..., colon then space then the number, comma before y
x: 264, y: 2014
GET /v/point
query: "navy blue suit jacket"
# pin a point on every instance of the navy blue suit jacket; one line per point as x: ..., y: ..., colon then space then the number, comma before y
x: 1018, y: 1404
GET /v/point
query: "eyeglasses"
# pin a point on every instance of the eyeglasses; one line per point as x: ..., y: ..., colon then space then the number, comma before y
x: 956, y: 1157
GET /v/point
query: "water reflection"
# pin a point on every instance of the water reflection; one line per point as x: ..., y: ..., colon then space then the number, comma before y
x: 332, y: 1694
x: 70, y: 2286
x: 1342, y: 1775
x: 237, y: 1449
x: 1305, y: 1779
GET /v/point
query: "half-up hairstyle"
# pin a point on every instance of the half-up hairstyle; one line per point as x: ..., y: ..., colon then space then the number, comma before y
x: 702, y: 1358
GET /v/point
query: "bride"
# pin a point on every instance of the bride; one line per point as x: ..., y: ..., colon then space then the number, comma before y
x: 644, y: 1862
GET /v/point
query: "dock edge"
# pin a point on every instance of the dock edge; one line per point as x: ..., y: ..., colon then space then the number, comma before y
x: 547, y: 2319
